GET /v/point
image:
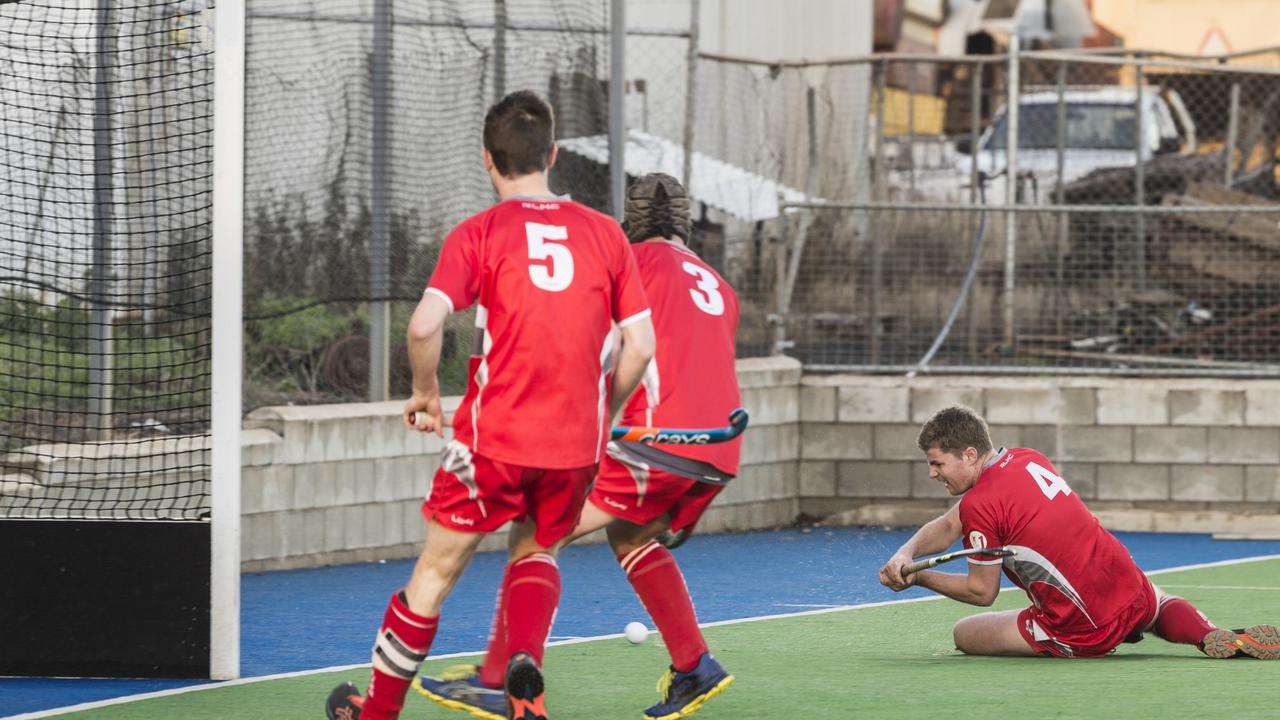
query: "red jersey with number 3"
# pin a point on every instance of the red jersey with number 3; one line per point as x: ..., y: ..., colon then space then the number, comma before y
x: 1078, y: 575
x: 691, y: 381
x: 550, y: 278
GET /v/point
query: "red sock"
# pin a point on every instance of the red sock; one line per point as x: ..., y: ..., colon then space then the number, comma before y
x: 653, y: 572
x: 493, y: 671
x: 1178, y: 621
x: 533, y: 591
x: 401, y: 646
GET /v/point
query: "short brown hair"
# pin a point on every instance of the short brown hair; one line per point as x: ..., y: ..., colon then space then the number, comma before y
x: 519, y: 132
x: 953, y: 429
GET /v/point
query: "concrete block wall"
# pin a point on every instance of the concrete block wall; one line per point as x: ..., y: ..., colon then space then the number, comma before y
x: 1201, y: 453
x: 330, y: 484
x: 344, y: 483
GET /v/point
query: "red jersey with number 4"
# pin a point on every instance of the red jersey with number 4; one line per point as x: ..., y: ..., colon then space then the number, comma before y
x: 550, y: 278
x: 1077, y: 574
x: 691, y: 381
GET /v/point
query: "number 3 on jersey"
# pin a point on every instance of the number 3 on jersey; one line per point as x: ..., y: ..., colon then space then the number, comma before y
x: 556, y: 274
x: 1050, y: 484
x: 709, y: 301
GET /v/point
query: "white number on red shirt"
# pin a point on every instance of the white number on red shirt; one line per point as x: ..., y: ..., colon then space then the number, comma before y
x: 1050, y: 484
x: 557, y: 273
x: 709, y: 301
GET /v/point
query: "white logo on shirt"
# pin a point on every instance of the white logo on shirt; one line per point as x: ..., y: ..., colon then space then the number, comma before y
x: 977, y: 540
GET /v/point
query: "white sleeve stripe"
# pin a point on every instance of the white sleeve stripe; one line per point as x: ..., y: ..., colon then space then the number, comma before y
x: 442, y: 295
x: 636, y: 318
x: 997, y: 561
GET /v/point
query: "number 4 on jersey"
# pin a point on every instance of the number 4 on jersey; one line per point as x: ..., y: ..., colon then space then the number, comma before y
x: 1050, y: 484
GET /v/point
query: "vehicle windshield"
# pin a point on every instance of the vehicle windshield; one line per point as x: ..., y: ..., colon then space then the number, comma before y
x: 1089, y: 127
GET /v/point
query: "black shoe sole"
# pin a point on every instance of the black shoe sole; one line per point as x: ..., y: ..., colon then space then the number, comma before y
x: 524, y: 682
x: 339, y: 700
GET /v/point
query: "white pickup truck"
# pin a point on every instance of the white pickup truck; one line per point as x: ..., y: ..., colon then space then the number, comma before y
x: 1100, y: 132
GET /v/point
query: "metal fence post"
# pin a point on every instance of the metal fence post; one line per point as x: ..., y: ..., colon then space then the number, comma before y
x: 779, y: 318
x: 1233, y: 136
x: 100, y: 314
x: 1011, y: 192
x: 690, y: 84
x: 617, y: 121
x: 499, y: 49
x: 911, y: 129
x: 1060, y: 258
x: 806, y: 220
x: 874, y: 224
x: 379, y: 308
x: 1140, y: 185
x: 975, y: 134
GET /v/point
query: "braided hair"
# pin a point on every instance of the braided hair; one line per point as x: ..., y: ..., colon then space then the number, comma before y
x: 657, y: 206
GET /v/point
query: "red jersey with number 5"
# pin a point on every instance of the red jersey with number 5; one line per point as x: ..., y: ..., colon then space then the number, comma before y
x: 550, y: 278
x: 1078, y: 575
x: 691, y: 381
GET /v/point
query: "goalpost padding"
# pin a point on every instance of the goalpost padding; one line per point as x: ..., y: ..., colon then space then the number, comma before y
x: 120, y: 337
x: 95, y: 598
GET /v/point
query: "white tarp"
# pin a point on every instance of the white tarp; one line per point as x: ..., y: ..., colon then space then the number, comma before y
x: 728, y: 188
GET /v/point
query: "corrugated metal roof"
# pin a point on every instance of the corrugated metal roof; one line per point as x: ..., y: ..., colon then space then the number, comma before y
x: 728, y: 188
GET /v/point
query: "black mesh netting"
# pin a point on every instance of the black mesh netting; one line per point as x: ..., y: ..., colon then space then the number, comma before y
x: 105, y: 143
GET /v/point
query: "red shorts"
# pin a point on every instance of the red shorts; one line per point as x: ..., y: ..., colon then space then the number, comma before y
x: 471, y: 493
x: 641, y: 495
x: 1096, y: 642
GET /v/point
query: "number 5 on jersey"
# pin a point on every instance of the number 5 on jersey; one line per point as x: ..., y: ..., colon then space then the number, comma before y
x: 557, y: 272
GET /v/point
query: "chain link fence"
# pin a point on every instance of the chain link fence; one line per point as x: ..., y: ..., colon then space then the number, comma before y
x: 1129, y: 229
x: 363, y: 143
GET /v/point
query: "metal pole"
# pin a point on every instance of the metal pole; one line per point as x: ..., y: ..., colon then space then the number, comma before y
x: 617, y: 122
x: 911, y: 129
x: 227, y: 327
x: 779, y: 318
x: 975, y: 134
x: 379, y: 309
x: 100, y: 380
x: 499, y: 49
x: 811, y: 176
x: 1233, y: 137
x: 1140, y: 186
x: 1011, y: 192
x: 690, y: 95
x: 877, y: 270
x: 1060, y: 188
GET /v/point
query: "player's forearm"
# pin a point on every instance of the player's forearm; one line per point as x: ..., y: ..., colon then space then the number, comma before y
x: 956, y: 587
x: 933, y: 537
x: 637, y: 351
x: 626, y: 377
x: 424, y: 340
x: 424, y: 359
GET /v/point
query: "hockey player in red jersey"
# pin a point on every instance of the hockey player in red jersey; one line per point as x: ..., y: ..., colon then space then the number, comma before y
x: 554, y: 283
x: 1087, y: 595
x: 642, y: 491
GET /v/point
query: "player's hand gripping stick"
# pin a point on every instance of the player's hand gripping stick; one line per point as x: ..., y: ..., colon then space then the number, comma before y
x: 738, y: 420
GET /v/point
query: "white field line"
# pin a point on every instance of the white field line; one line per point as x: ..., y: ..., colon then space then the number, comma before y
x: 738, y: 621
x: 1225, y: 587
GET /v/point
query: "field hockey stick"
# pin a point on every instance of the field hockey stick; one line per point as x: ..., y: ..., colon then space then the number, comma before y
x: 927, y: 563
x: 680, y: 436
x: 676, y: 436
